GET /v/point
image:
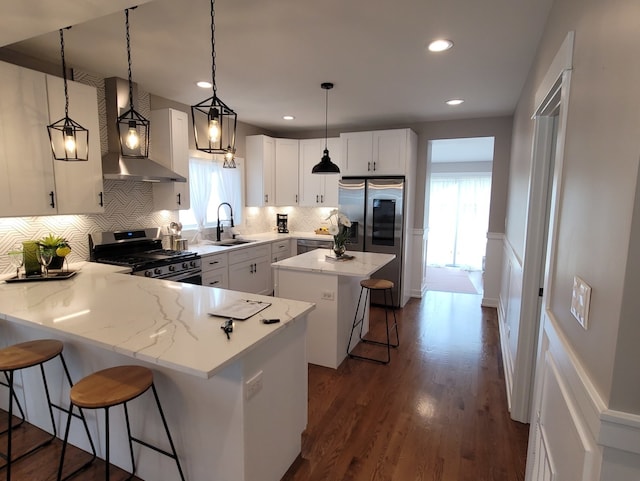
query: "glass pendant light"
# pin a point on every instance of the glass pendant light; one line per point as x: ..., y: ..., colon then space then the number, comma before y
x: 69, y: 139
x: 214, y: 123
x: 133, y: 127
x: 325, y: 166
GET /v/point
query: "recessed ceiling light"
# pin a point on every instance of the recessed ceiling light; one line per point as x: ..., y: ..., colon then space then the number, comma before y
x: 454, y: 102
x: 440, y: 45
x: 288, y: 117
x: 203, y: 84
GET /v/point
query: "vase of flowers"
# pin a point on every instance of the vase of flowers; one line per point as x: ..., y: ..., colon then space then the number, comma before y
x: 60, y: 248
x: 339, y: 226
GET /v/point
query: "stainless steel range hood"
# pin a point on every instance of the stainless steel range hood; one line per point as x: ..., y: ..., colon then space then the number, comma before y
x: 115, y: 166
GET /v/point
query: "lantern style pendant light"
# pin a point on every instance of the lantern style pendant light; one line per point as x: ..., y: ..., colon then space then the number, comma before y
x: 133, y: 127
x: 325, y: 166
x: 214, y: 123
x: 69, y: 139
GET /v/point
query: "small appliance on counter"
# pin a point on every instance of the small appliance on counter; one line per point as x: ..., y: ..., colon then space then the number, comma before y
x: 282, y: 223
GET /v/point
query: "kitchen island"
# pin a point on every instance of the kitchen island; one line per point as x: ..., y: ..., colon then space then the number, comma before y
x: 236, y: 407
x: 333, y: 286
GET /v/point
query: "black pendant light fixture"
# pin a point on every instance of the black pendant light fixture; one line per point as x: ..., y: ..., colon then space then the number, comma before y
x: 325, y: 166
x: 133, y: 127
x: 69, y: 139
x: 214, y: 123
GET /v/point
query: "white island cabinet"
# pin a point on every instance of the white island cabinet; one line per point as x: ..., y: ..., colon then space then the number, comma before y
x: 333, y: 286
x: 236, y: 407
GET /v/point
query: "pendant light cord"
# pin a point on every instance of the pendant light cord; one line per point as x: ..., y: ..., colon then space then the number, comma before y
x: 213, y: 51
x: 326, y: 116
x: 126, y: 14
x: 64, y: 75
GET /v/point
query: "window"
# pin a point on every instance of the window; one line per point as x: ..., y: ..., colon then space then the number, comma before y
x: 210, y: 185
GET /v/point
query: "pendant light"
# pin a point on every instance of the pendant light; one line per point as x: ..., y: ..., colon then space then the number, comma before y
x: 69, y: 139
x: 325, y: 166
x: 133, y: 127
x: 214, y: 123
x: 230, y: 154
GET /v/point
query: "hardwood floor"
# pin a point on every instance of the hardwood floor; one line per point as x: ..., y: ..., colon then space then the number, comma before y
x: 437, y: 412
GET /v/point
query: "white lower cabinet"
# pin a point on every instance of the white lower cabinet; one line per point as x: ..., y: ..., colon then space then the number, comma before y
x: 215, y: 270
x: 250, y: 270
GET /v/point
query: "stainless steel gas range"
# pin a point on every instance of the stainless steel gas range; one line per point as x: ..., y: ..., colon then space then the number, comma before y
x: 141, y: 250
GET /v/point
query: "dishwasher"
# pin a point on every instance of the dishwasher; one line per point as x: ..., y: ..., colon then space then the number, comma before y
x: 306, y: 245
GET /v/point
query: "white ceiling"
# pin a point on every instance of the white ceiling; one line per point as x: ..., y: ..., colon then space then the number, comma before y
x: 272, y: 55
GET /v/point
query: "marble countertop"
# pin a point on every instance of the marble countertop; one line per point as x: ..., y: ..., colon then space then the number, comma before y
x: 161, y: 322
x: 362, y: 265
x: 256, y: 239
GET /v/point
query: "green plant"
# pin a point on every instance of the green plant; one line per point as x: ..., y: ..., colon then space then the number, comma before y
x: 53, y: 242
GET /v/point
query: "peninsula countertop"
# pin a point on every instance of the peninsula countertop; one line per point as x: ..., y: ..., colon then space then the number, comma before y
x: 363, y: 264
x: 161, y: 322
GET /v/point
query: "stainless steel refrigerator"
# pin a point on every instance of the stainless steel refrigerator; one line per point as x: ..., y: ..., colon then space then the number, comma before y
x: 375, y: 207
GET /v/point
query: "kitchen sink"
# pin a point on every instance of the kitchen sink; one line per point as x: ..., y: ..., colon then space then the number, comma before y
x: 229, y: 242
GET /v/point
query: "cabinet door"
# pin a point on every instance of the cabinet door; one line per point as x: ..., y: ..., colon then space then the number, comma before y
x: 170, y: 147
x: 252, y: 276
x: 311, y: 185
x: 26, y: 163
x: 389, y: 152
x: 260, y: 164
x: 216, y: 278
x: 286, y: 172
x: 79, y: 188
x: 357, y: 153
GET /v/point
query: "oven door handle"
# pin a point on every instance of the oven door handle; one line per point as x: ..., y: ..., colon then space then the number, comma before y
x: 182, y: 275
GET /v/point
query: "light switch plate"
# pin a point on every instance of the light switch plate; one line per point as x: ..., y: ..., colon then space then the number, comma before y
x: 580, y: 299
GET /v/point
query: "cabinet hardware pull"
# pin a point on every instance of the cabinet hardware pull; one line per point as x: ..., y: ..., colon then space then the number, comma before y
x: 52, y: 203
x: 374, y: 166
x: 251, y: 270
x: 368, y: 166
x: 296, y: 198
x: 179, y: 199
x: 321, y: 198
x: 317, y: 199
x: 214, y: 283
x: 101, y: 201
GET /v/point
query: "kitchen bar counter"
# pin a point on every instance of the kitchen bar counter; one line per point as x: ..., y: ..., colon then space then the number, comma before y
x: 236, y: 407
x: 334, y: 286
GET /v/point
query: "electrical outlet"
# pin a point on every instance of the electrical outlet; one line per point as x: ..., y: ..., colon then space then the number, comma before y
x: 328, y: 295
x: 580, y: 300
x: 253, y: 386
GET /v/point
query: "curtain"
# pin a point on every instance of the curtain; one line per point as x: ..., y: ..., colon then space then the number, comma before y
x: 200, y: 185
x: 458, y: 220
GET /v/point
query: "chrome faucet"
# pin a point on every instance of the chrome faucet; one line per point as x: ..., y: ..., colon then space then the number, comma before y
x: 219, y: 229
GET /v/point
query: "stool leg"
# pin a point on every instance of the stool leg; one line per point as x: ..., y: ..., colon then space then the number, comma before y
x: 9, y: 428
x: 166, y: 428
x: 106, y: 424
x: 395, y: 320
x: 49, y: 404
x: 64, y: 445
x: 133, y: 463
x: 17, y: 401
x: 355, y: 318
x: 364, y: 310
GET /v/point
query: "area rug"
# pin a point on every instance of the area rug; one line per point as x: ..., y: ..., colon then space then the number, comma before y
x: 449, y: 279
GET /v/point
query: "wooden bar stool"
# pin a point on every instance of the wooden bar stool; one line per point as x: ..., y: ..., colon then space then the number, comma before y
x: 378, y: 285
x: 22, y: 356
x: 108, y: 388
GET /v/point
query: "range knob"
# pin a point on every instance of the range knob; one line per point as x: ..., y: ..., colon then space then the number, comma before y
x: 147, y: 273
x: 157, y: 271
x: 185, y: 265
x: 172, y: 268
x: 192, y: 263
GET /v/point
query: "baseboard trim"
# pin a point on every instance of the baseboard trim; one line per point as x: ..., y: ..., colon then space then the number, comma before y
x: 489, y: 302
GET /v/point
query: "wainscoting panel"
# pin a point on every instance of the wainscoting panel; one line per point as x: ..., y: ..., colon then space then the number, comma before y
x: 492, y: 269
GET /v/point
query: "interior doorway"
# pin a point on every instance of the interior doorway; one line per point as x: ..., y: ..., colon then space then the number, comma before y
x: 459, y: 187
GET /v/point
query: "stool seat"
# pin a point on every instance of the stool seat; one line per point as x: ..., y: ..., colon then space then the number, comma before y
x: 376, y: 284
x: 111, y: 387
x: 28, y: 354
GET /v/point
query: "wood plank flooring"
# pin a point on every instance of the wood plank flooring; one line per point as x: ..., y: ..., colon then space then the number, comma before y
x: 437, y: 412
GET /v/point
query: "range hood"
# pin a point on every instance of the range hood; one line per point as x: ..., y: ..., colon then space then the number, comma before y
x: 115, y: 166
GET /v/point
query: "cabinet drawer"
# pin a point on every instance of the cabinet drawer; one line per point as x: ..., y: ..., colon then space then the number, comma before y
x: 249, y: 253
x: 281, y: 247
x: 216, y: 278
x: 215, y: 261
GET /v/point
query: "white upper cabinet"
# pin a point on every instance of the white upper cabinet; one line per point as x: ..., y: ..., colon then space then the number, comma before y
x: 318, y: 190
x: 286, y: 172
x: 170, y: 147
x: 382, y: 152
x: 260, y: 163
x: 31, y: 181
x: 79, y: 185
x: 26, y: 168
